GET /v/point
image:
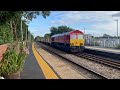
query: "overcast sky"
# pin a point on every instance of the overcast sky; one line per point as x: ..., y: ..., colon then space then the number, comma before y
x: 94, y: 22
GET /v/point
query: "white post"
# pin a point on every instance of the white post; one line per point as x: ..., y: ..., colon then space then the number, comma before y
x: 30, y: 37
x: 84, y: 31
x: 26, y: 34
x: 21, y: 30
x: 117, y: 30
x: 117, y: 33
x: 94, y: 39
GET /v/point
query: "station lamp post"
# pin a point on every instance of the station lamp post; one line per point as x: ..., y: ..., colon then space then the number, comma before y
x: 26, y: 33
x: 29, y: 36
x: 94, y: 39
x: 117, y: 29
x: 84, y: 36
x: 21, y: 30
x: 84, y: 31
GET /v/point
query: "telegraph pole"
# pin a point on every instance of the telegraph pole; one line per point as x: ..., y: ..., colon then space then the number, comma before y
x: 30, y: 37
x: 84, y: 31
x: 21, y: 30
x: 117, y: 29
x: 26, y: 33
x: 94, y: 39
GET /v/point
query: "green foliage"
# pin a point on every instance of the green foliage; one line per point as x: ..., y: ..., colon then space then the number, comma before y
x: 21, y: 59
x: 6, y: 35
x: 12, y: 61
x: 47, y: 35
x: 29, y: 15
x: 32, y: 38
x: 96, y: 44
x: 37, y: 38
x: 60, y: 29
x: 117, y: 47
x: 6, y: 16
x: 10, y: 22
x: 13, y: 18
x: 9, y: 62
x: 24, y: 29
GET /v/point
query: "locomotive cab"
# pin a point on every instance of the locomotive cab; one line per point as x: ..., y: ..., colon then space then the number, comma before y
x: 72, y: 41
x: 77, y: 41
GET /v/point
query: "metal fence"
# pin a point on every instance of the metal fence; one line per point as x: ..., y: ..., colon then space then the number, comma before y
x: 102, y: 42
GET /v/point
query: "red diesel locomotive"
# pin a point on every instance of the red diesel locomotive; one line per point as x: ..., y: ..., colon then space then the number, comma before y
x: 72, y: 41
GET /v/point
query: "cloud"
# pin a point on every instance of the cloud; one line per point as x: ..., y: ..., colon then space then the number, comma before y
x: 116, y: 14
x: 99, y: 21
x: 108, y: 28
x: 38, y: 30
x: 72, y: 17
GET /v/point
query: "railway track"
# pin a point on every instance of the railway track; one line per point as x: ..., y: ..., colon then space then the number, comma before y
x: 100, y: 59
x: 95, y: 73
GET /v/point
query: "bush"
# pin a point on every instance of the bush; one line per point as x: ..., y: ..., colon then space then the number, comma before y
x: 6, y: 35
x: 118, y: 47
x: 12, y: 61
x: 1, y: 41
x: 96, y: 44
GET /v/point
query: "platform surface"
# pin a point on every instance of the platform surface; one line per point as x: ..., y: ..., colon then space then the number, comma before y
x: 35, y: 67
x: 31, y: 68
x: 117, y: 51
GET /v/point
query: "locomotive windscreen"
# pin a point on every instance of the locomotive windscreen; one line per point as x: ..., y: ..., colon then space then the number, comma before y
x: 73, y: 36
x: 80, y: 36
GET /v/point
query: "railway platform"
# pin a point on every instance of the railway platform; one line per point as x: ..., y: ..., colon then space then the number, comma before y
x: 108, y: 50
x: 59, y: 65
x: 35, y: 67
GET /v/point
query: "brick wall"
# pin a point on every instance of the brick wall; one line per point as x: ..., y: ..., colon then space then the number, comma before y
x: 3, y: 48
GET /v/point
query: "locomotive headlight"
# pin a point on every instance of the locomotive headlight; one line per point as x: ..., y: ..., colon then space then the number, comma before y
x: 81, y: 43
x: 72, y: 43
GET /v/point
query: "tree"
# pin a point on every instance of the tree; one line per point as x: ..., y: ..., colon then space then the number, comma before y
x: 53, y: 31
x: 47, y: 35
x: 10, y: 17
x: 106, y: 36
x: 32, y: 38
x: 37, y: 38
x: 13, y: 18
x: 29, y: 15
x: 6, y: 16
x: 6, y: 35
x: 59, y: 29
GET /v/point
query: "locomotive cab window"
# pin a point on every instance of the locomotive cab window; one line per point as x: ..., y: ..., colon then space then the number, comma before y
x: 73, y: 36
x: 80, y: 36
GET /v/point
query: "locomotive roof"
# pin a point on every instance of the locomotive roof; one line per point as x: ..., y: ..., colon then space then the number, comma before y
x: 66, y: 33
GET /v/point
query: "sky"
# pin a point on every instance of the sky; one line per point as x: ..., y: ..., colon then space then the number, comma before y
x: 96, y: 23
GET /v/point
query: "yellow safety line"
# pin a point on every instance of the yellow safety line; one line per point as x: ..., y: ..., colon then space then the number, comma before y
x: 47, y: 71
